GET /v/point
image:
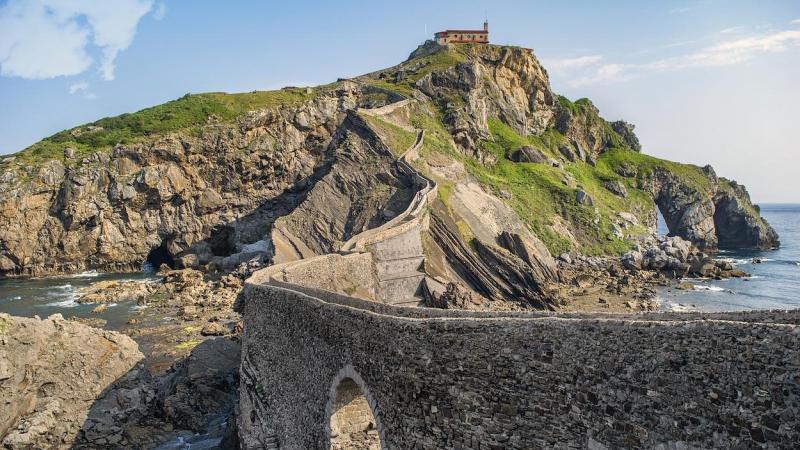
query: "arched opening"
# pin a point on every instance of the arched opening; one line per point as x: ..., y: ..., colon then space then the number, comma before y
x: 353, y: 425
x: 158, y: 256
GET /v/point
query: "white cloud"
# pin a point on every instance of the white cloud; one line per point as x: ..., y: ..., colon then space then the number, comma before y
x: 795, y: 22
x: 573, y: 63
x: 725, y: 53
x: 79, y: 87
x: 82, y: 87
x: 607, y: 73
x: 731, y: 30
x: 731, y: 52
x: 42, y: 39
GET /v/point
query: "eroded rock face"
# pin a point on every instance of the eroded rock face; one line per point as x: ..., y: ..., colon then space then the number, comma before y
x: 738, y: 222
x: 199, y: 198
x: 507, y: 83
x: 518, y: 273
x: 717, y: 214
x: 625, y: 131
x: 361, y: 189
x: 51, y: 372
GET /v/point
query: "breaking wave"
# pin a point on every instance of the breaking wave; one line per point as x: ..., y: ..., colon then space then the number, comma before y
x: 708, y: 288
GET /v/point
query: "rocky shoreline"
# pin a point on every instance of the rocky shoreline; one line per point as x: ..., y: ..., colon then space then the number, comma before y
x: 179, y: 383
x: 183, y: 386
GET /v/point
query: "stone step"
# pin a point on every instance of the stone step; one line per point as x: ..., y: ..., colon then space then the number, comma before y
x: 402, y: 289
x: 386, y: 269
x: 404, y: 245
x: 402, y: 275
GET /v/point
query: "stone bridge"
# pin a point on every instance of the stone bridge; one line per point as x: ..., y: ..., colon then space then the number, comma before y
x: 333, y: 358
x: 322, y: 370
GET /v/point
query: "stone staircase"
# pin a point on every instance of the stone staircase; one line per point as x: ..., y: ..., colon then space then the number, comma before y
x: 396, y: 246
x: 391, y: 255
x: 398, y: 261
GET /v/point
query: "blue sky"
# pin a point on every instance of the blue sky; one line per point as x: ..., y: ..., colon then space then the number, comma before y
x: 707, y: 81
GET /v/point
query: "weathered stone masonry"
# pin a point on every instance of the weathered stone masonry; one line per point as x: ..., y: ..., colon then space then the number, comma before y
x: 456, y: 379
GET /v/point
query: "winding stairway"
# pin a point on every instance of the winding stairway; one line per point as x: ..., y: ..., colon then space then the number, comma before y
x: 392, y: 252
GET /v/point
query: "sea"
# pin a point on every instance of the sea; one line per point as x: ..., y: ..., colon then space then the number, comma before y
x: 44, y: 296
x: 773, y: 284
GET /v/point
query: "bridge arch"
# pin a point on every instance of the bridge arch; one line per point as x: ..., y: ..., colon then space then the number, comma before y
x: 351, y: 414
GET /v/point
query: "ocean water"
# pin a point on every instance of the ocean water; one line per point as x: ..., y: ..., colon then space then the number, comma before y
x: 774, y: 284
x: 50, y: 295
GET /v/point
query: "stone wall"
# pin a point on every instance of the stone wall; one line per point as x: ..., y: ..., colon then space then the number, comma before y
x: 457, y: 379
x: 352, y: 274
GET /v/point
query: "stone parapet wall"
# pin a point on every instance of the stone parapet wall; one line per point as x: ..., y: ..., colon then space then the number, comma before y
x: 352, y: 274
x: 458, y: 379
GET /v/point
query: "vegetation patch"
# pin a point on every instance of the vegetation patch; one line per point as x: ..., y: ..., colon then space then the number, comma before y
x: 540, y: 192
x: 188, y: 344
x: 396, y: 138
x: 401, y: 79
x: 185, y: 113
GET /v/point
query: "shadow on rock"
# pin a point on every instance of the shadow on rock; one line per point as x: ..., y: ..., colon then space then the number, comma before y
x: 191, y: 406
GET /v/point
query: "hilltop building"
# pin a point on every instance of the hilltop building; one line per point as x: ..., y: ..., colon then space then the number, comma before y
x: 463, y: 36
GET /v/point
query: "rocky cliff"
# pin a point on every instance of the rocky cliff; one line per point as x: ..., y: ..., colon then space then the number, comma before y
x: 51, y: 371
x: 215, y: 180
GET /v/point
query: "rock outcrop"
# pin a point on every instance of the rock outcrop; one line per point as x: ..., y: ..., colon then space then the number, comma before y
x: 184, y: 198
x: 503, y: 82
x: 51, y: 372
x: 519, y: 273
x: 360, y: 190
x: 711, y: 214
x: 528, y: 154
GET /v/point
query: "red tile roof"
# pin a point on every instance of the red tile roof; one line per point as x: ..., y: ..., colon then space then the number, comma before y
x: 464, y: 31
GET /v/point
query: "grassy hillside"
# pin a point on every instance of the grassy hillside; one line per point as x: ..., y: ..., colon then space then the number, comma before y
x: 184, y: 114
x: 543, y: 195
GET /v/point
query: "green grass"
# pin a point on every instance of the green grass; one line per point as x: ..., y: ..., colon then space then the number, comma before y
x: 398, y: 88
x: 538, y: 193
x: 438, y: 61
x: 692, y: 175
x: 437, y: 141
x: 187, y: 112
x: 398, y: 139
x: 188, y: 344
x: 414, y: 69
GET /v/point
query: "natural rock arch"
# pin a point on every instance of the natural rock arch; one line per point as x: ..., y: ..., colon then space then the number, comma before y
x: 351, y: 415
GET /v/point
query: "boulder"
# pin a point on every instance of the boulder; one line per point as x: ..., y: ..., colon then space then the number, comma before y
x: 568, y: 153
x: 583, y: 198
x: 626, y: 170
x: 213, y: 329
x: 616, y: 187
x: 632, y: 260
x: 51, y: 372
x: 528, y: 155
x: 625, y: 131
x: 655, y: 259
x: 203, y: 385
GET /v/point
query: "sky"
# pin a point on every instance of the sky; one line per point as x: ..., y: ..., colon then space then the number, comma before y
x: 705, y: 82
